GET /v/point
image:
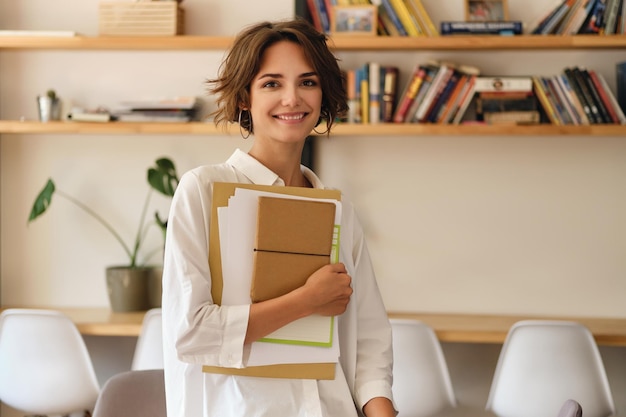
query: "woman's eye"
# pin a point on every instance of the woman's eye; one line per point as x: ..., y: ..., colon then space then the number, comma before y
x: 309, y: 83
x: 270, y: 84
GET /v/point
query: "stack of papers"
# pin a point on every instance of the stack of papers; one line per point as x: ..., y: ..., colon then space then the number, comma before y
x: 312, y: 340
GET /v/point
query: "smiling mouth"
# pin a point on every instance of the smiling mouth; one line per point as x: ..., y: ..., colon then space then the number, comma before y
x: 291, y: 117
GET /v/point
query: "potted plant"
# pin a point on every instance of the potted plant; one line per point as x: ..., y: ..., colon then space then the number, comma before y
x: 49, y: 106
x: 133, y: 286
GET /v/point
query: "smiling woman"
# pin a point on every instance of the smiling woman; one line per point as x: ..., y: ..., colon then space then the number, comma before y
x: 279, y: 81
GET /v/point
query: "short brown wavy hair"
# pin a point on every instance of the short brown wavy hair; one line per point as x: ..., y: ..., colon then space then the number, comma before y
x: 242, y: 64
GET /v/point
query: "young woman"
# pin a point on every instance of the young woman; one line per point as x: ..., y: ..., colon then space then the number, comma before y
x: 278, y: 81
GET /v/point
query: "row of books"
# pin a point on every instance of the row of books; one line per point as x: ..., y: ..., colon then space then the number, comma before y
x: 436, y: 92
x: 571, y: 17
x: 578, y: 96
x: 393, y: 17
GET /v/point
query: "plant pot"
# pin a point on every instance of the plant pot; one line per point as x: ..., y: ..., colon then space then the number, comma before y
x: 155, y: 287
x: 49, y: 109
x: 128, y: 288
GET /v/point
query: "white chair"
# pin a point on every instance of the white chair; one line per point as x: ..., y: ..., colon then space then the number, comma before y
x: 45, y: 368
x: 149, y: 349
x: 542, y: 364
x: 133, y: 393
x: 421, y: 380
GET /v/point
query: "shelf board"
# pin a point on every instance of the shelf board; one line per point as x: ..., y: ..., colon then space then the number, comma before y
x: 383, y: 129
x: 347, y: 43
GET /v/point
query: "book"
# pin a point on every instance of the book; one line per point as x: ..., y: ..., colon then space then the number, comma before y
x: 315, y: 15
x: 393, y: 16
x: 555, y: 20
x: 353, y: 102
x: 426, y: 23
x: 431, y: 70
x: 578, y: 18
x: 610, y: 21
x: 573, y: 82
x: 568, y: 107
x: 453, y: 101
x: 293, y: 240
x: 390, y: 91
x: 409, y: 93
x: 405, y: 17
x: 604, y: 94
x: 481, y: 28
x: 364, y: 93
x: 545, y: 102
x: 595, y: 95
x: 572, y: 98
x: 552, y: 95
x: 595, y: 20
x: 79, y: 115
x: 374, y: 92
x: 565, y: 22
x: 620, y: 75
x: 512, y: 117
x: 443, y: 74
x: 618, y: 110
x: 415, y: 18
x: 545, y: 16
x: 504, y: 84
x: 441, y: 98
x: 182, y: 102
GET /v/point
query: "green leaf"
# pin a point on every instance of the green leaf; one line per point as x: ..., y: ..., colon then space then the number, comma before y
x: 42, y: 201
x: 163, y: 177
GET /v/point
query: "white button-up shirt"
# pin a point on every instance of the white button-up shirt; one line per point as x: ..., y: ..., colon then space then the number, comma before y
x: 198, y: 332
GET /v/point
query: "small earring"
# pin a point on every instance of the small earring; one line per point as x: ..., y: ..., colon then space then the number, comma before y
x: 241, y: 129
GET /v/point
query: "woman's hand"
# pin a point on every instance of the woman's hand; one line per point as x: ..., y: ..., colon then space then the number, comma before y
x: 328, y: 290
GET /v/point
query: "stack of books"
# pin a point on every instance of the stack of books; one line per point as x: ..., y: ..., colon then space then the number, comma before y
x: 372, y: 93
x: 578, y: 96
x: 509, y: 100
x: 168, y: 110
x: 571, y: 17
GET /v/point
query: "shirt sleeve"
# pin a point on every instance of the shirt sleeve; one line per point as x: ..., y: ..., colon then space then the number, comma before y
x: 199, y: 331
x: 374, y: 357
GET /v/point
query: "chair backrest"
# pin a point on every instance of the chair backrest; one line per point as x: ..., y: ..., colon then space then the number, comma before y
x: 45, y: 368
x: 149, y: 349
x: 133, y: 393
x: 421, y: 380
x: 542, y: 364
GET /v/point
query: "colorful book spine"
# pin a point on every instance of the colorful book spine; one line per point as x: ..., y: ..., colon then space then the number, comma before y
x: 409, y: 94
x: 464, y: 102
x: 390, y: 89
x: 405, y: 17
x: 391, y: 12
x: 604, y: 96
x: 374, y: 92
x: 427, y: 24
x: 545, y: 102
x: 620, y: 75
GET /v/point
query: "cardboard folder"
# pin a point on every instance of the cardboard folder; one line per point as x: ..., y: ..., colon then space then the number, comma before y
x: 293, y: 240
x: 221, y: 193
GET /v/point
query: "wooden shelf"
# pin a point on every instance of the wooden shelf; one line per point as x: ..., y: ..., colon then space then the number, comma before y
x: 383, y: 129
x: 368, y: 43
x: 453, y: 328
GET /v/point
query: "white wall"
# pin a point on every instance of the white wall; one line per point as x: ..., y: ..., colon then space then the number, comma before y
x: 503, y: 225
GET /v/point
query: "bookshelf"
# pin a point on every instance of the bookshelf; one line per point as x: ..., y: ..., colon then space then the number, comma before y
x: 377, y: 43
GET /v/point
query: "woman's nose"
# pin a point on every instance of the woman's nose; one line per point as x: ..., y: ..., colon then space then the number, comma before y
x: 291, y: 96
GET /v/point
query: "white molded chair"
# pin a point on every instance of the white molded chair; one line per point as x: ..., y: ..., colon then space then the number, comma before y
x: 45, y: 368
x: 542, y: 364
x: 421, y: 380
x: 149, y: 350
x: 133, y: 393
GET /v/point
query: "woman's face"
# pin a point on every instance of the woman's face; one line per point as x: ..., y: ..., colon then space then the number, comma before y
x: 285, y: 95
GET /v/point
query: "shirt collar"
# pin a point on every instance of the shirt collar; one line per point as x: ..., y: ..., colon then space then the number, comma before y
x: 258, y: 173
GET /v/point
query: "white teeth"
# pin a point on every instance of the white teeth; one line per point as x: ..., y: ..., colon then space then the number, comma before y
x: 295, y: 117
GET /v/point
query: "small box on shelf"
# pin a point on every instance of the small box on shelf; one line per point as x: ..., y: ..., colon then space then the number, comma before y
x: 143, y: 18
